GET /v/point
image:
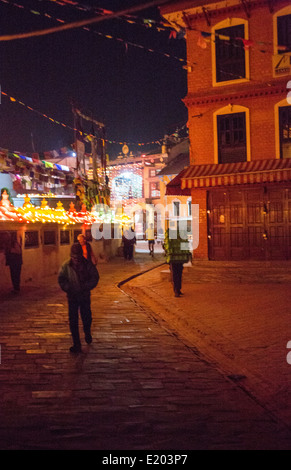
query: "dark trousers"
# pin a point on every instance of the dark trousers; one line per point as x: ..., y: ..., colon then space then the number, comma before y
x: 128, y: 251
x: 151, y: 245
x: 176, y: 273
x: 15, y: 272
x: 84, y: 304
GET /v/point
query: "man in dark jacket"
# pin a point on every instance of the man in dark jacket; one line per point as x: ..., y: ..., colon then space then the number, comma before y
x: 129, y: 240
x: 177, y: 253
x: 77, y: 277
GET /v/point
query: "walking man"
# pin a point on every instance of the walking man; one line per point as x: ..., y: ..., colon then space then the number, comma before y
x: 87, y: 249
x: 150, y: 234
x: 128, y: 240
x: 177, y: 254
x: 77, y: 277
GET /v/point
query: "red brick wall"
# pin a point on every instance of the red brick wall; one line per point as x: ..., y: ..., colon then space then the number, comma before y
x: 260, y: 25
x: 199, y: 196
x: 260, y: 94
x: 262, y: 127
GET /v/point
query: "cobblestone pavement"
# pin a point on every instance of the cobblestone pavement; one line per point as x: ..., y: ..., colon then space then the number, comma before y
x: 137, y: 386
x: 238, y: 316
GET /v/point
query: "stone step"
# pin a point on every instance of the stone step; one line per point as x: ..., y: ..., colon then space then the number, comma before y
x: 243, y: 272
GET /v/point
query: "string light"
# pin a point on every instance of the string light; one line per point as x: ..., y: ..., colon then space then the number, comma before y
x: 29, y: 213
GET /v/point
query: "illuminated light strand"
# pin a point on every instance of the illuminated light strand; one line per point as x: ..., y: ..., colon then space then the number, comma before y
x: 28, y: 213
x: 11, y: 214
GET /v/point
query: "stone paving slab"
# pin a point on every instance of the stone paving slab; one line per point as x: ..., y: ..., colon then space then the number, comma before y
x: 242, y: 327
x: 137, y: 386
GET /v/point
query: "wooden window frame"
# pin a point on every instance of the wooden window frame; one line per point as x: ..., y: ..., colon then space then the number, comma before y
x: 282, y: 104
x: 283, y: 12
x: 232, y: 109
x: 62, y: 243
x: 280, y: 58
x: 229, y: 22
x: 31, y: 246
x: 50, y: 243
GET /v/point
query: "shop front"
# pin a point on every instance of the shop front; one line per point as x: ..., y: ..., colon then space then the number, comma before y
x: 244, y: 209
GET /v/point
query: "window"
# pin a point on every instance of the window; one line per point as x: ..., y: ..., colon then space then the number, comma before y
x: 230, y: 55
x: 31, y: 239
x: 230, y: 58
x: 176, y: 208
x: 285, y: 131
x: 65, y: 237
x: 49, y: 237
x: 189, y: 206
x: 284, y: 33
x: 155, y: 189
x: 153, y: 173
x: 231, y: 129
x: 282, y: 42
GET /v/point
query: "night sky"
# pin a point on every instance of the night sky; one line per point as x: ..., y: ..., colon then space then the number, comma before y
x: 135, y: 93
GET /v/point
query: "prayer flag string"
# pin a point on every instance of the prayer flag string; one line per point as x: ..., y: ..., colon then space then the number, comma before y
x: 86, y: 135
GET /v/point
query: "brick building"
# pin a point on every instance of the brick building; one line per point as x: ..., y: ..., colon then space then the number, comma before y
x: 239, y: 120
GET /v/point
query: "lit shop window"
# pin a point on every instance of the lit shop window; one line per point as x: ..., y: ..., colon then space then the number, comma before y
x: 155, y: 189
x: 127, y: 185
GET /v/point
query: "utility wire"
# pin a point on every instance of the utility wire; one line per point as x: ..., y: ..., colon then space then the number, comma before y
x: 79, y: 24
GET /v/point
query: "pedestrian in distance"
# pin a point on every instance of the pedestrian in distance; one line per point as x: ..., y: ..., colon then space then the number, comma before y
x: 176, y: 256
x: 128, y: 240
x: 87, y: 249
x: 13, y: 256
x: 150, y: 235
x: 77, y: 277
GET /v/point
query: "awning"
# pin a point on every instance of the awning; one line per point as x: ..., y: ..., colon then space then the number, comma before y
x: 228, y: 174
x: 173, y: 188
